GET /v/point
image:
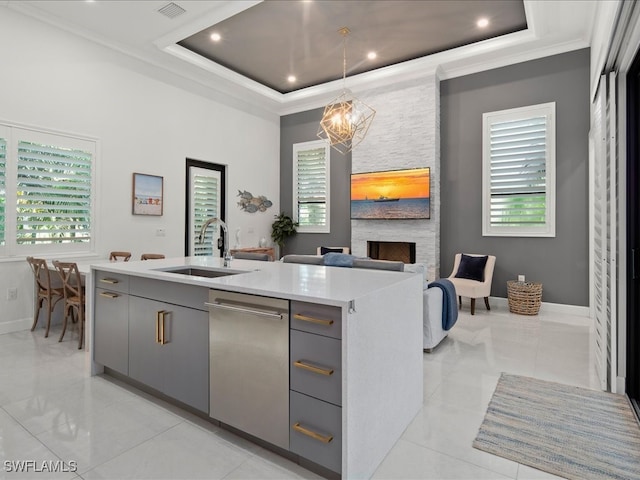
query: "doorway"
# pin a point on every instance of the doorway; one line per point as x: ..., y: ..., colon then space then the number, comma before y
x: 205, y: 198
x: 633, y: 234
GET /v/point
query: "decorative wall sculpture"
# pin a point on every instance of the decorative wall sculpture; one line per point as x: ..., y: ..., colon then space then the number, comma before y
x: 252, y: 204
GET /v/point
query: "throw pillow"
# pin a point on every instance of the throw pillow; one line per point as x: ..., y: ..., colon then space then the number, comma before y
x: 335, y: 259
x: 472, y: 268
x: 324, y: 250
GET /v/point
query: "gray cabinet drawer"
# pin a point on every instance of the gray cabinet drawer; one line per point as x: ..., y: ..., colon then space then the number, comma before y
x: 321, y: 319
x: 116, y: 282
x: 316, y: 366
x: 176, y: 293
x: 316, y: 431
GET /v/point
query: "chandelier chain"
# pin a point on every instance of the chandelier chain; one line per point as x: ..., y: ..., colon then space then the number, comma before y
x: 344, y: 32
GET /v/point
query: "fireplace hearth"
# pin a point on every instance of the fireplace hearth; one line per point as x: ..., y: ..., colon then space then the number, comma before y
x: 397, y: 251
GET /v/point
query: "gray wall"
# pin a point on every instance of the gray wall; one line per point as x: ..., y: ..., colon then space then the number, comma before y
x: 560, y: 263
x: 303, y: 127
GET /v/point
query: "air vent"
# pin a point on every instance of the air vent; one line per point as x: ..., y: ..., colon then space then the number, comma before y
x: 172, y: 10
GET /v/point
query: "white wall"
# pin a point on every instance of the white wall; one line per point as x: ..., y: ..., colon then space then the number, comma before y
x: 145, y: 123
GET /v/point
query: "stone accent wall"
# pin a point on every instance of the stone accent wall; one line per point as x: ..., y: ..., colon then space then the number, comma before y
x: 405, y: 133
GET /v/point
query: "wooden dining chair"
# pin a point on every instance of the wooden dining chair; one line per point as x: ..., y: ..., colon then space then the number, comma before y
x: 151, y: 256
x: 125, y: 256
x: 48, y: 289
x: 74, y: 297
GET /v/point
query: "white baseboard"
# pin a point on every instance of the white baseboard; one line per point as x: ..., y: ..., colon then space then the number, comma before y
x: 15, y: 325
x: 546, y: 307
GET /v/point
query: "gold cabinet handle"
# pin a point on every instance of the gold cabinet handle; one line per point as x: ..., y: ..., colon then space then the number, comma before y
x: 109, y: 280
x: 310, y: 433
x: 319, y: 321
x: 313, y: 368
x: 160, y: 316
x: 158, y: 338
x: 109, y: 295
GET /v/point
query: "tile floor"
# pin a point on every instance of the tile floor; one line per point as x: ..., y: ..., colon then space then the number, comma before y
x: 51, y: 410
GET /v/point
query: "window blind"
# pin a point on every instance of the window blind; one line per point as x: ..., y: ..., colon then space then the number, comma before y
x: 518, y: 172
x: 312, y: 186
x: 53, y: 194
x: 3, y: 194
x: 205, y: 205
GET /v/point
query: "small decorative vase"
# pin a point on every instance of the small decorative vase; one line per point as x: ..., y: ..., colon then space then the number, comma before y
x: 262, y: 242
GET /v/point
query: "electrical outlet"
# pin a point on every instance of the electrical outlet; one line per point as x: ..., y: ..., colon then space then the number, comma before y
x: 521, y: 278
x: 12, y: 294
x: 160, y: 232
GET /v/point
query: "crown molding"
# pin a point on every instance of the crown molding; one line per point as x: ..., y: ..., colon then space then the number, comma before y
x: 217, y: 85
x: 455, y: 69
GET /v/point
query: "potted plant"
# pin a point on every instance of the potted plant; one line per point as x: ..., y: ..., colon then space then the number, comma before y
x: 282, y: 228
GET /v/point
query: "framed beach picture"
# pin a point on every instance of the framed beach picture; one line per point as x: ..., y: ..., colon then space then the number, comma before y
x: 147, y: 194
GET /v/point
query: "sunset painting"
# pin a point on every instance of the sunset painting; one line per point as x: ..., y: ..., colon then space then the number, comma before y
x: 394, y: 194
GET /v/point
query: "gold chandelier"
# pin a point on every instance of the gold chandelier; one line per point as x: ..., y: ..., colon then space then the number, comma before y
x: 346, y: 120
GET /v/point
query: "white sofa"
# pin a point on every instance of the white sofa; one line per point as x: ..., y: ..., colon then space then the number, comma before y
x: 433, y: 333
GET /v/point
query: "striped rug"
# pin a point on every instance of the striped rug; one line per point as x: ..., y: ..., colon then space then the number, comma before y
x: 568, y: 431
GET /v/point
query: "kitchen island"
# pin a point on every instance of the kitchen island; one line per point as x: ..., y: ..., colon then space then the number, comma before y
x: 352, y: 379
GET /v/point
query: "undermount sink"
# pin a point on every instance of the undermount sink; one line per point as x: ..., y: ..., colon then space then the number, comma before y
x: 200, y: 272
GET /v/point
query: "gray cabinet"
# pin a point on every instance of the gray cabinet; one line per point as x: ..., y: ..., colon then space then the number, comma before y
x: 144, y: 346
x: 115, y: 282
x: 316, y: 430
x: 155, y: 332
x: 316, y: 366
x: 315, y: 318
x: 111, y: 330
x: 169, y: 350
x: 315, y: 414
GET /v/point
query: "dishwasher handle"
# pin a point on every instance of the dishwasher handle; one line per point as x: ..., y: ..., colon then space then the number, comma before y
x: 243, y: 309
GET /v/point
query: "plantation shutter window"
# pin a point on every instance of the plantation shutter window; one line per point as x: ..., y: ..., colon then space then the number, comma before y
x: 205, y: 190
x: 519, y: 172
x: 46, y: 192
x: 53, y: 194
x: 311, y: 186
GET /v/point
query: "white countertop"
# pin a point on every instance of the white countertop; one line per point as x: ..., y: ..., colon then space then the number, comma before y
x: 311, y: 283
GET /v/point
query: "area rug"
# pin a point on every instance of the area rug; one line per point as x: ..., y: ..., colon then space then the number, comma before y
x: 568, y: 431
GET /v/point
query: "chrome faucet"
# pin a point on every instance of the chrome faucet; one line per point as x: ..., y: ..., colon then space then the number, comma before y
x: 225, y: 245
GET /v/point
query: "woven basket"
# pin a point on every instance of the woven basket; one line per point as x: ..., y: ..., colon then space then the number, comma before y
x: 524, y: 297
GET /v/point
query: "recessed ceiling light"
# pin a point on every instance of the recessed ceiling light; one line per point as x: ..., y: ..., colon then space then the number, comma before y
x: 291, y: 78
x: 482, y: 22
x: 215, y: 36
x: 372, y: 55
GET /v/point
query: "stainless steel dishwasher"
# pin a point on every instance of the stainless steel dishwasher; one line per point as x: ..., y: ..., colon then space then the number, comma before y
x: 249, y: 369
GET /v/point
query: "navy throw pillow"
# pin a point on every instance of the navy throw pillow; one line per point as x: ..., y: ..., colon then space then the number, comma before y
x: 324, y: 250
x: 472, y: 268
